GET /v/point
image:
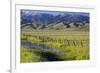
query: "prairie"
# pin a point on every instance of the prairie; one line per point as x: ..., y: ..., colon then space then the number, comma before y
x: 54, y: 45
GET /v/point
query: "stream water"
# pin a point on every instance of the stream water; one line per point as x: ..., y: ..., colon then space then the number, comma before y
x: 40, y: 47
x: 45, y: 56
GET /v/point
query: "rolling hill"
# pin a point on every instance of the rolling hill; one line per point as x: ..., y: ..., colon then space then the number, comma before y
x: 53, y: 20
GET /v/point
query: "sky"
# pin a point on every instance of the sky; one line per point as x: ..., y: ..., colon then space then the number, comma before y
x: 34, y: 12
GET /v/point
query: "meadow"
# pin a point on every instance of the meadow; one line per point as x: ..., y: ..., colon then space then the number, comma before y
x: 54, y: 45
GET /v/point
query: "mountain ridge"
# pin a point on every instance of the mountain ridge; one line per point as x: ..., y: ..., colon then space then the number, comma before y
x: 43, y: 20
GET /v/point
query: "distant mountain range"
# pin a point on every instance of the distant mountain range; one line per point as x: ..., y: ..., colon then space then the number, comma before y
x: 53, y: 20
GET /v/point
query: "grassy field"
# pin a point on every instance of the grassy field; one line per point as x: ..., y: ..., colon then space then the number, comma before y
x: 54, y: 45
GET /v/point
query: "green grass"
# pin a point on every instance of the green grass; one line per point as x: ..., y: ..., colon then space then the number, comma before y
x: 55, y: 39
x: 28, y: 56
